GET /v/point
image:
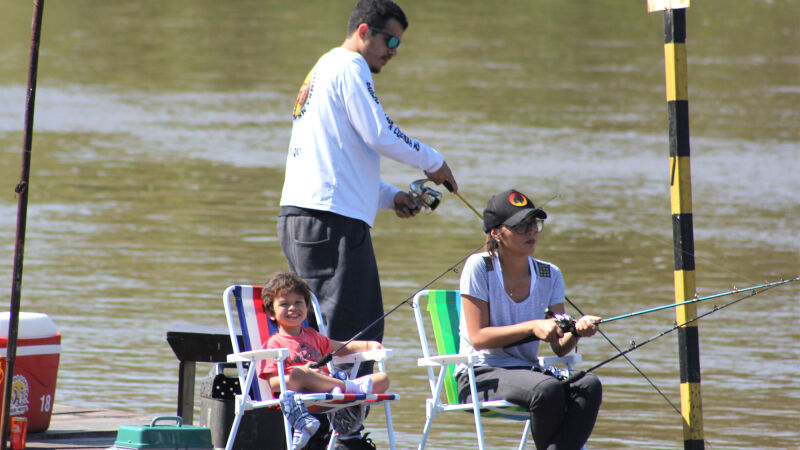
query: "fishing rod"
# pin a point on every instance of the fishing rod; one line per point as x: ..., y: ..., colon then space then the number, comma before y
x: 329, y: 356
x: 699, y: 299
x: 450, y: 188
x: 716, y: 308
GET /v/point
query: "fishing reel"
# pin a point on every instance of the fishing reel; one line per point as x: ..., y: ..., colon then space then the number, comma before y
x: 423, y: 196
x: 561, y: 373
x: 564, y: 321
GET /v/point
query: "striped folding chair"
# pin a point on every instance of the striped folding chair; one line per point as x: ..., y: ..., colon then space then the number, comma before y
x: 444, y: 308
x: 245, y: 316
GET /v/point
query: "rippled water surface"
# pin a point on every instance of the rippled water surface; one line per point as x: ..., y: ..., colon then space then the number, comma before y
x: 161, y: 130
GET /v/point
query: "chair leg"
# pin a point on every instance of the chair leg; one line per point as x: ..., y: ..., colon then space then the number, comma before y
x: 389, y: 425
x: 237, y: 420
x: 476, y: 407
x: 334, y: 434
x: 478, y: 426
x: 287, y: 429
x: 429, y: 415
x: 525, y: 432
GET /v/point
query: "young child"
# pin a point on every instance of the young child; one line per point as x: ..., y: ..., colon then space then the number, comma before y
x: 287, y: 299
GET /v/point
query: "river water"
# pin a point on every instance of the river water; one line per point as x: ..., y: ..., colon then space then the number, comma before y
x: 161, y: 131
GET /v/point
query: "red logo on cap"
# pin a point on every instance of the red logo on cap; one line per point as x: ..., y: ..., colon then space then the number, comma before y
x: 517, y: 199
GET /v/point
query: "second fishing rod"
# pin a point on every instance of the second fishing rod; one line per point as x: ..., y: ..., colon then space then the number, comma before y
x: 329, y: 356
x: 425, y: 198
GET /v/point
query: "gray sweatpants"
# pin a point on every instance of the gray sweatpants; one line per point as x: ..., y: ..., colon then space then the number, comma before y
x: 334, y: 254
x: 562, y: 417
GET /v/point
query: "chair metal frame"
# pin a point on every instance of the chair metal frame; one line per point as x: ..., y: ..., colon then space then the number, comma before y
x: 444, y: 385
x: 253, y: 324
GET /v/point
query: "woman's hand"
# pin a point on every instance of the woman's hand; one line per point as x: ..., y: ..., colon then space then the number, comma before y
x: 585, y: 326
x: 546, y: 330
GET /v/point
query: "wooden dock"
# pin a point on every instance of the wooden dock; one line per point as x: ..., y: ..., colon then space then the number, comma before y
x: 91, y: 428
x: 76, y: 428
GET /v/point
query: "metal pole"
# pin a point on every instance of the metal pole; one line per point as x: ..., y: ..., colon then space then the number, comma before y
x: 675, y: 68
x: 22, y: 212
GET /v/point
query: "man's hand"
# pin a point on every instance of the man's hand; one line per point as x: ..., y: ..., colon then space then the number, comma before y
x: 443, y: 174
x: 404, y: 205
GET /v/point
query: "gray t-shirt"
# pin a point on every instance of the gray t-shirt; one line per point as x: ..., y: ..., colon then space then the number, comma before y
x: 547, y: 289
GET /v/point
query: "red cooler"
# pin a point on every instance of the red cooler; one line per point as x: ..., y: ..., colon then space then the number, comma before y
x: 35, y: 367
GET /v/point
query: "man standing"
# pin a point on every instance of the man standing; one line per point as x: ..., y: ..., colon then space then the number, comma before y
x: 333, y: 189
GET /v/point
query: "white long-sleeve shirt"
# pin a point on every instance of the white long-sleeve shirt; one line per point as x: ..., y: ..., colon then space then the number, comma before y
x: 339, y: 133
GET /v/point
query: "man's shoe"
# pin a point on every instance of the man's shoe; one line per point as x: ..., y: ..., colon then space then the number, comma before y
x: 362, y: 443
x: 347, y: 421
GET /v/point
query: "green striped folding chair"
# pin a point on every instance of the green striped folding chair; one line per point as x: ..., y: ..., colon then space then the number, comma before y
x: 444, y: 308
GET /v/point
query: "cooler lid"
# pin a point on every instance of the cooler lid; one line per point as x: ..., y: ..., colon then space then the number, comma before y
x: 32, y: 325
x: 171, y: 434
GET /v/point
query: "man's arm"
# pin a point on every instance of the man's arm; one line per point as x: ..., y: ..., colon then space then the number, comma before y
x: 377, y: 129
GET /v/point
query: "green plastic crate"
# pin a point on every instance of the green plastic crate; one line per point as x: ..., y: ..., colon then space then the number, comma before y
x: 175, y: 436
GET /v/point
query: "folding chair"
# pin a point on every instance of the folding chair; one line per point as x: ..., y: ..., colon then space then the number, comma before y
x: 444, y: 307
x: 255, y: 329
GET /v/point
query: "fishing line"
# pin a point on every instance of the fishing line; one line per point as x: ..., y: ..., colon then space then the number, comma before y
x: 450, y: 188
x: 329, y: 356
x: 716, y: 308
x: 629, y: 360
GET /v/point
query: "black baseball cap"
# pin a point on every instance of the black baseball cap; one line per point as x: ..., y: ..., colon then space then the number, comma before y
x: 509, y: 208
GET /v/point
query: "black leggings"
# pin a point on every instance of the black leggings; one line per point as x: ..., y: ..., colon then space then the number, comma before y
x: 562, y: 417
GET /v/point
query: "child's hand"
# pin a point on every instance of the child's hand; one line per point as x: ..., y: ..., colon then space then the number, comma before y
x: 308, y: 367
x: 374, y: 345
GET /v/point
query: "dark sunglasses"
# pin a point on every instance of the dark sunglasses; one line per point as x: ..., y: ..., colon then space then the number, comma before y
x: 392, y: 42
x: 528, y: 225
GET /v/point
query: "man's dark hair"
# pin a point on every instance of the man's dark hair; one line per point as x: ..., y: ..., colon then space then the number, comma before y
x: 375, y: 13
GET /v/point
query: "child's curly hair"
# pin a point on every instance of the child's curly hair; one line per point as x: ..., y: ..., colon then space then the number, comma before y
x: 282, y: 283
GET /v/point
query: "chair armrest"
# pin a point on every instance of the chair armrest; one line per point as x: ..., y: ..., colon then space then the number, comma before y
x: 568, y: 359
x: 442, y: 360
x: 254, y: 355
x: 370, y: 355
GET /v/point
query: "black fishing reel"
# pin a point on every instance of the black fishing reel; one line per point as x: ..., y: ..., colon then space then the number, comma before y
x: 564, y: 321
x: 423, y: 196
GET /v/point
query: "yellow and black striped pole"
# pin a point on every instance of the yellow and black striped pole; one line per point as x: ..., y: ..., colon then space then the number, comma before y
x: 682, y: 228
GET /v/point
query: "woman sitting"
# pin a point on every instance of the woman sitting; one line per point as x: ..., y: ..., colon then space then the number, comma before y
x: 506, y: 296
